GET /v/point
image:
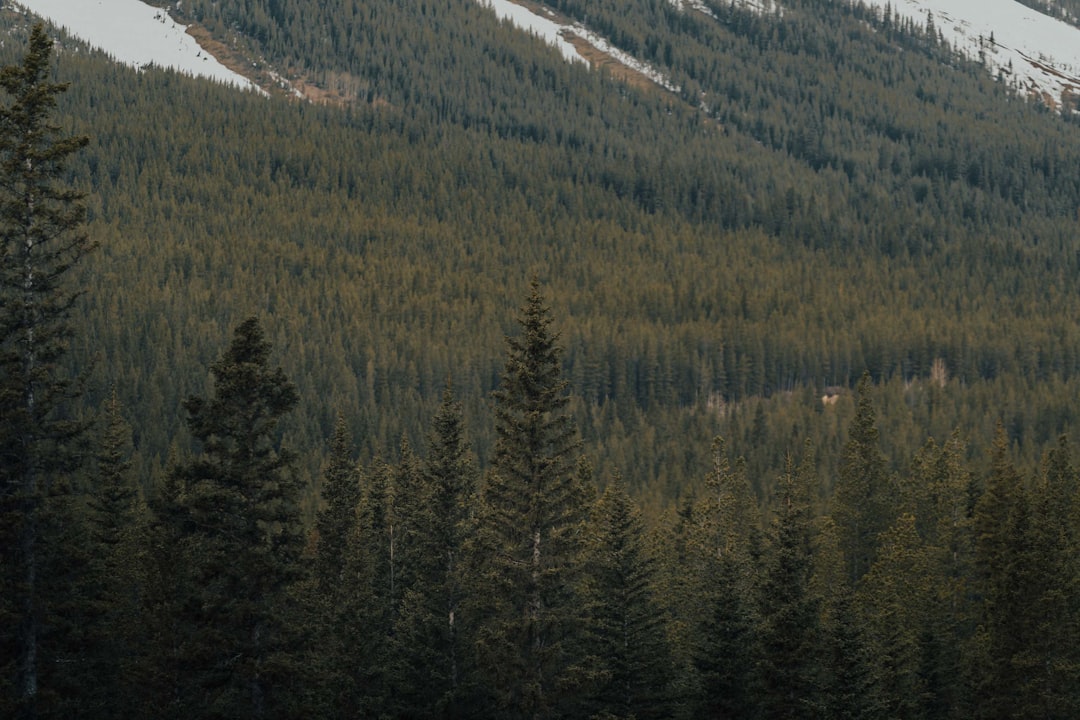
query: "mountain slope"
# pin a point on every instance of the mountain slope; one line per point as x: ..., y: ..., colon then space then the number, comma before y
x: 1035, y: 49
x: 848, y: 202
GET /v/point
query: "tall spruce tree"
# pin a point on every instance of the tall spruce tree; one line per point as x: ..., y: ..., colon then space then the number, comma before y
x: 434, y: 628
x: 41, y: 240
x: 335, y: 587
x: 117, y: 516
x: 242, y: 537
x: 627, y: 627
x: 725, y: 644
x: 789, y: 670
x: 896, y: 601
x: 1002, y: 525
x: 1056, y: 606
x: 532, y: 524
x: 865, y: 500
x: 336, y: 521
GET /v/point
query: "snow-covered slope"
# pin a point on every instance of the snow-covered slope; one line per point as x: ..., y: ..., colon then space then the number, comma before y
x: 136, y: 34
x: 1038, y: 53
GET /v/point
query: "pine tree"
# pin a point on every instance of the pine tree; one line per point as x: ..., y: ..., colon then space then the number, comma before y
x: 846, y: 683
x: 117, y: 517
x: 896, y: 601
x: 336, y: 521
x: 626, y: 629
x: 865, y: 502
x: 1002, y: 529
x: 948, y: 537
x: 789, y: 671
x: 531, y: 527
x: 434, y: 629
x: 1057, y: 602
x: 368, y: 614
x: 725, y: 646
x: 242, y: 536
x: 334, y: 586
x: 41, y: 240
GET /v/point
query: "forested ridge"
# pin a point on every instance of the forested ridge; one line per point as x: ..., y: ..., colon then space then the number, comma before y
x: 824, y: 198
x: 698, y: 264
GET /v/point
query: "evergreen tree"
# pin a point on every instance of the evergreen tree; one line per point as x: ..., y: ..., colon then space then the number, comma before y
x: 626, y: 627
x: 864, y: 504
x: 531, y: 527
x: 725, y: 646
x: 336, y: 521
x: 846, y: 683
x: 117, y: 517
x: 368, y: 614
x: 41, y: 240
x: 434, y: 629
x: 895, y: 602
x: 1056, y: 607
x: 334, y: 586
x: 242, y: 536
x: 948, y: 537
x: 1002, y: 535
x: 789, y: 671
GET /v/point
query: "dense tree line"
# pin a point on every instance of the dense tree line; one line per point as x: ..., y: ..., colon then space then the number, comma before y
x: 464, y: 548
x: 387, y: 239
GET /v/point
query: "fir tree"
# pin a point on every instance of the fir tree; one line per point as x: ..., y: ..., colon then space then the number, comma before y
x: 789, y: 672
x: 41, y: 240
x: 725, y: 646
x: 117, y: 517
x: 242, y: 536
x: 434, y: 627
x: 895, y: 601
x: 334, y: 586
x: 531, y: 527
x: 336, y: 521
x: 626, y: 628
x: 864, y: 504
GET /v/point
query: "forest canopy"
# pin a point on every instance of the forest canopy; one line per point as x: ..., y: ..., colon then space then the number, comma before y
x: 424, y: 404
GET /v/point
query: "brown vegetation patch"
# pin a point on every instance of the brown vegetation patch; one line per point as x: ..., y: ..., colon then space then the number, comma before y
x: 260, y: 74
x: 600, y: 59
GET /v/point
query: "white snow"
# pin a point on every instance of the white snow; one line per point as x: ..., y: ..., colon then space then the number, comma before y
x: 542, y: 27
x: 556, y: 33
x: 135, y: 34
x: 1036, y: 53
x: 1044, y: 53
x: 625, y: 58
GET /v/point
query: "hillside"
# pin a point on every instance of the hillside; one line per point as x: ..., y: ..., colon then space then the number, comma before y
x: 850, y: 202
x: 503, y: 387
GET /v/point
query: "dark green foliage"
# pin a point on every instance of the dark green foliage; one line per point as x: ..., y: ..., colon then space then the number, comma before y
x: 534, y: 507
x: 336, y: 522
x: 116, y: 520
x: 789, y: 670
x: 626, y: 636
x: 822, y: 196
x: 241, y: 535
x: 435, y: 629
x: 42, y: 237
x: 724, y: 577
x: 895, y: 601
x: 333, y: 590
x: 865, y: 502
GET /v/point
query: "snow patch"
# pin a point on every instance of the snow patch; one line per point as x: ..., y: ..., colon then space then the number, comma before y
x: 625, y: 58
x: 544, y: 28
x: 556, y: 33
x: 1036, y: 52
x: 135, y: 34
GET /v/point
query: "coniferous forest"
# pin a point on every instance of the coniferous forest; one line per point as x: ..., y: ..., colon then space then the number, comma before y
x: 496, y: 386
